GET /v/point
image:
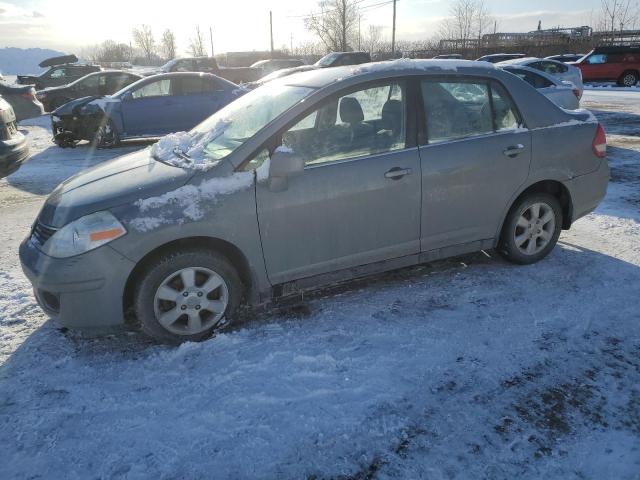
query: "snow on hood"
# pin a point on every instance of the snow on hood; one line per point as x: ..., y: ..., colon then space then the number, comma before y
x: 189, y: 199
x: 171, y: 147
x: 409, y: 64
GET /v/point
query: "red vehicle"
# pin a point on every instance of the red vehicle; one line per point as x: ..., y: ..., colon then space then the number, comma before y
x: 611, y: 64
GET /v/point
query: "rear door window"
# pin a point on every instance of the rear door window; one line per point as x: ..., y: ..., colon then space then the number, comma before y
x: 195, y: 86
x: 457, y: 110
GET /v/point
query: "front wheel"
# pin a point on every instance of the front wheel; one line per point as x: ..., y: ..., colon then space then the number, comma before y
x: 106, y: 135
x: 187, y: 296
x: 531, y: 229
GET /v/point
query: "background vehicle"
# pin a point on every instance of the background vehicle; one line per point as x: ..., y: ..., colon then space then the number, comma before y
x: 333, y: 59
x: 613, y: 64
x: 13, y: 144
x: 562, y: 93
x: 500, y: 57
x: 210, y: 65
x: 62, y: 70
x: 566, y: 57
x: 284, y: 168
x: 94, y: 84
x: 150, y: 107
x: 272, y: 65
x: 560, y: 70
x: 448, y: 56
x: 22, y: 99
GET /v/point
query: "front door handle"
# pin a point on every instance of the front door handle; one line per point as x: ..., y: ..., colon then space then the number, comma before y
x: 513, y: 151
x: 396, y: 173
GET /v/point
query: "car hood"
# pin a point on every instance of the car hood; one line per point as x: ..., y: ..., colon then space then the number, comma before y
x: 72, y: 106
x: 119, y: 181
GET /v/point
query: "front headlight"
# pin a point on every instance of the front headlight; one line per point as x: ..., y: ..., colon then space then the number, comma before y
x: 84, y: 234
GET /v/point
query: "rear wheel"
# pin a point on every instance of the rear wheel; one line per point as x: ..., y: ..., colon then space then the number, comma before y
x: 628, y: 79
x: 187, y: 296
x: 531, y: 229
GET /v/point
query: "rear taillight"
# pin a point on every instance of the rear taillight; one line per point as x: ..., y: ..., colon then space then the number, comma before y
x: 599, y: 145
x: 576, y: 92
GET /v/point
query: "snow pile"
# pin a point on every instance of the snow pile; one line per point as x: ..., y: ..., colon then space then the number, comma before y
x: 189, y: 199
x: 186, y: 149
x: 412, y: 64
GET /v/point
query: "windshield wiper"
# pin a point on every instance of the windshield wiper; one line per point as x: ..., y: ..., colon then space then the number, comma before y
x: 182, y: 155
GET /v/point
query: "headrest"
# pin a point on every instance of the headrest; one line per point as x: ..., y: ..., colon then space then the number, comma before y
x: 392, y: 115
x: 350, y: 110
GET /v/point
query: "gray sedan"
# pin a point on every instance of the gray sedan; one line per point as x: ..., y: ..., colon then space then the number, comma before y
x: 317, y: 177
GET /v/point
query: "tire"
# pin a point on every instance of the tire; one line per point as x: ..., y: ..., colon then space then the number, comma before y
x: 628, y: 79
x: 162, y: 291
x: 106, y: 135
x: 527, y: 238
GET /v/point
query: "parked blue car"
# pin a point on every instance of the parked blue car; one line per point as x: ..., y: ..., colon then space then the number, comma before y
x: 151, y: 107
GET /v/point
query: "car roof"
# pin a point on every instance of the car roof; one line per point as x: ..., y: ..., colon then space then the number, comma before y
x: 319, y: 78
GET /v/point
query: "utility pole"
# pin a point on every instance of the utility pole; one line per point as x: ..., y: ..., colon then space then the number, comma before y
x: 344, y: 25
x: 211, y: 39
x: 291, y: 44
x: 359, y: 38
x: 271, y: 30
x: 393, y: 32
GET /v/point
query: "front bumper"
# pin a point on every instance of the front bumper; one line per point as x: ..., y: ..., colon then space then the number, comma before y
x: 85, y: 291
x: 13, y: 153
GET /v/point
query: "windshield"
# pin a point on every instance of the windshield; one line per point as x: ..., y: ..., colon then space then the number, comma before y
x: 327, y: 60
x: 230, y: 127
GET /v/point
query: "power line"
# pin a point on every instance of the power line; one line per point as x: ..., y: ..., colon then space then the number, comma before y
x: 364, y: 7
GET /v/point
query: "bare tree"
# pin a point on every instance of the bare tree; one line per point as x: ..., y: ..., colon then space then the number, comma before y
x: 617, y: 14
x: 468, y: 20
x: 108, y: 51
x: 336, y: 23
x: 143, y: 38
x: 168, y: 44
x: 372, y: 40
x: 196, y: 45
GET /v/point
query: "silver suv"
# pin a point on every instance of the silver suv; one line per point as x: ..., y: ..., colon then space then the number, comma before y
x: 317, y: 177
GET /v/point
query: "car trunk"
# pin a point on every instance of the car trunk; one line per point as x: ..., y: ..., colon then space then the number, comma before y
x: 8, y: 127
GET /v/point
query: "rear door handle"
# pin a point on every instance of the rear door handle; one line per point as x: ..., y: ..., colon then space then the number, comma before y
x: 514, y: 150
x: 396, y: 173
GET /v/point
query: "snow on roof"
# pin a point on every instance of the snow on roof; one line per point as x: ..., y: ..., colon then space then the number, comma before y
x: 420, y: 64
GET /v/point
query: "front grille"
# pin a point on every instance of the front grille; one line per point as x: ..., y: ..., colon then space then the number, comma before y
x: 41, y: 233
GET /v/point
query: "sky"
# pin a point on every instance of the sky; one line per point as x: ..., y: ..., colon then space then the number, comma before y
x: 70, y: 25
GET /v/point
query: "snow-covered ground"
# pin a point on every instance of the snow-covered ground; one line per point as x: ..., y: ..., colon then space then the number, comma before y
x: 466, y: 368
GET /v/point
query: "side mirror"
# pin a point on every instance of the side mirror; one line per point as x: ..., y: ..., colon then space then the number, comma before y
x: 284, y: 163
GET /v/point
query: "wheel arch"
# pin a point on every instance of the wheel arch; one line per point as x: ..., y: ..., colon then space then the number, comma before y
x: 230, y: 251
x: 553, y: 187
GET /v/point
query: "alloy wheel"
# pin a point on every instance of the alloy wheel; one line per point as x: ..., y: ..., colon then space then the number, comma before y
x: 629, y: 80
x: 535, y: 228
x: 191, y: 300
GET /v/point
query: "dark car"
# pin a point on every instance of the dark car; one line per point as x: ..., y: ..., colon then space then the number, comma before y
x: 333, y: 59
x: 209, y: 65
x: 61, y: 70
x: 22, y: 99
x: 98, y: 83
x: 566, y: 57
x: 151, y: 107
x: 13, y: 144
x: 500, y: 57
x: 448, y: 56
x: 611, y: 64
x: 275, y: 64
